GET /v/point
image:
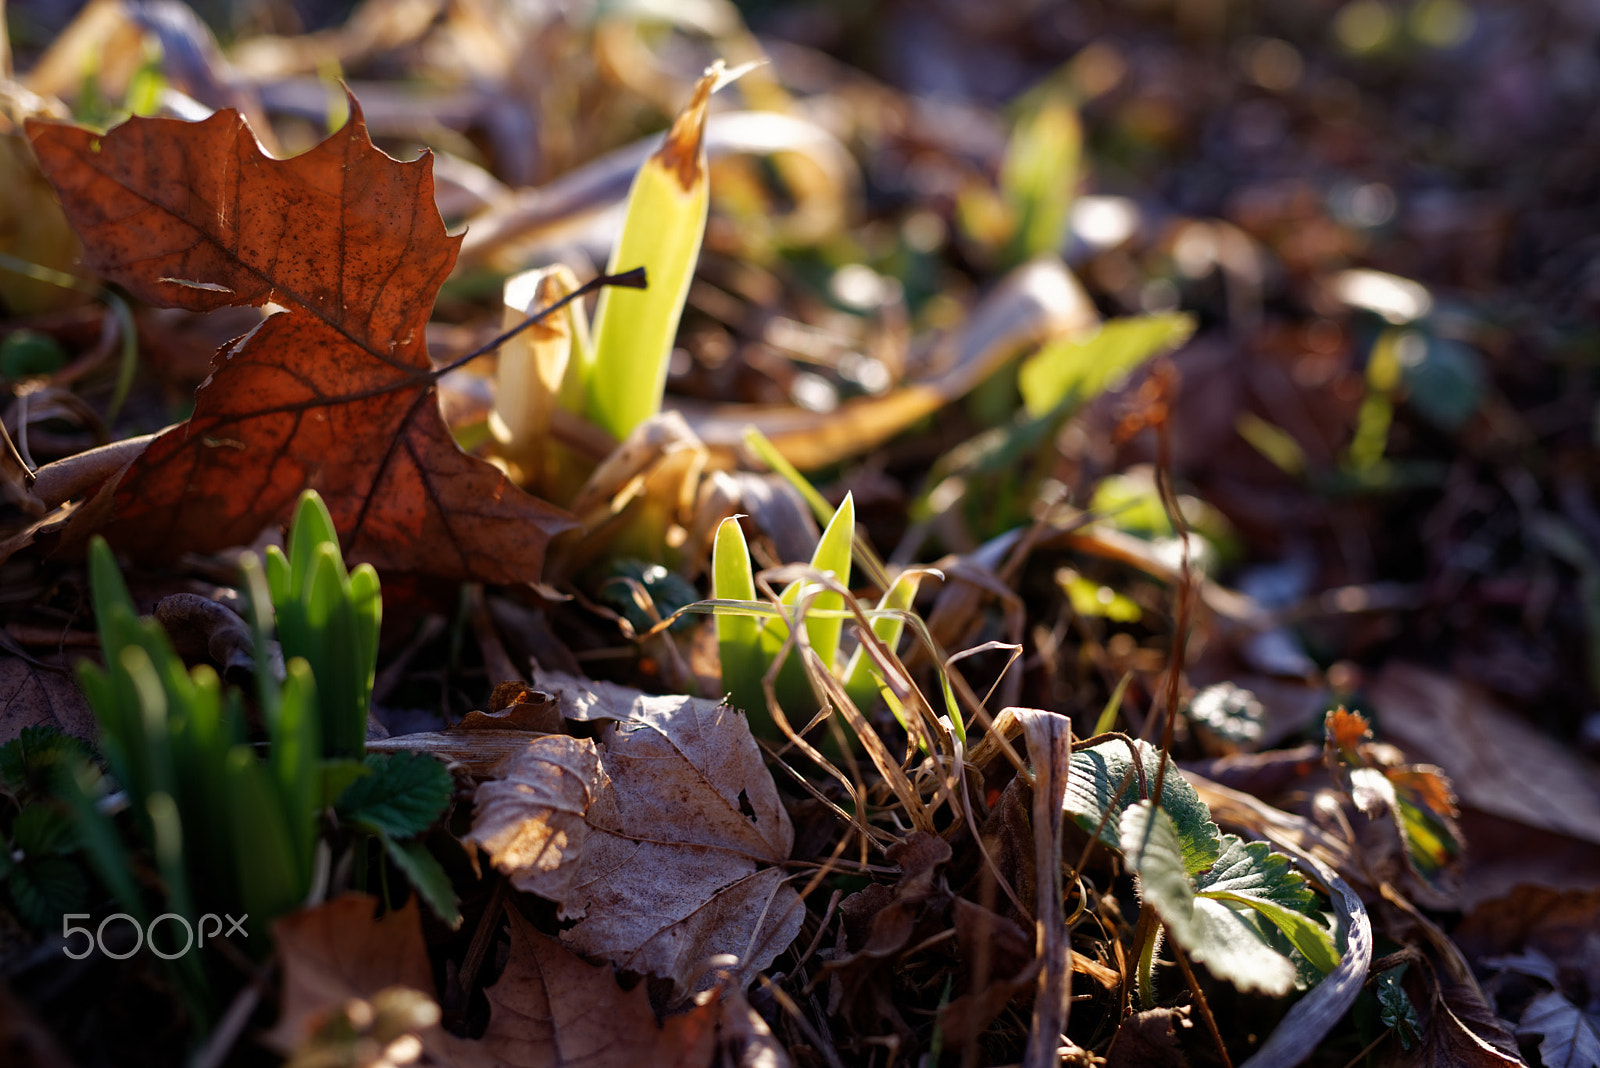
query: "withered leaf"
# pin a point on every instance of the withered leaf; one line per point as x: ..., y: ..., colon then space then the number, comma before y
x: 333, y: 393
x: 31, y: 695
x: 337, y: 952
x: 660, y: 837
x: 550, y: 1008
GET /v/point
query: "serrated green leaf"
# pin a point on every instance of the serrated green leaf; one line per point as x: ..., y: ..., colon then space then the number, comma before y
x: 42, y: 830
x: 425, y: 873
x: 1213, y: 932
x: 29, y: 759
x: 335, y: 776
x: 41, y: 890
x: 1229, y: 713
x: 1250, y: 874
x: 402, y: 797
x: 1091, y: 789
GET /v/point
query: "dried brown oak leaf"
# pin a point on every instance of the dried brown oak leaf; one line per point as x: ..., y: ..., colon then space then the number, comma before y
x: 333, y: 393
x: 662, y: 837
x: 550, y: 1008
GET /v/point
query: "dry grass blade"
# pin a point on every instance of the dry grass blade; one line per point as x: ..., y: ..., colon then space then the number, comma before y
x: 1049, y: 738
x: 883, y: 760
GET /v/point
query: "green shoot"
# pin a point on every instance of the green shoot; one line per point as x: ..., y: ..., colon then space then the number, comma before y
x: 666, y: 219
x: 330, y: 617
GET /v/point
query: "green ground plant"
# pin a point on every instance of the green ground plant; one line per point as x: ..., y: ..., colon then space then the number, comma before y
x: 234, y: 826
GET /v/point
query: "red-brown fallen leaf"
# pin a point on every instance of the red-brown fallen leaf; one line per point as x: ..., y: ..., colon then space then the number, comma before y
x: 552, y: 1010
x: 337, y: 952
x: 334, y: 393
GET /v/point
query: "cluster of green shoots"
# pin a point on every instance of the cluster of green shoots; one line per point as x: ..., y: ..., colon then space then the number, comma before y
x: 612, y: 372
x: 232, y: 825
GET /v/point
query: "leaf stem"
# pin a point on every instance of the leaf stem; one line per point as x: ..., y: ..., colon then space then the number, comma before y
x: 634, y: 279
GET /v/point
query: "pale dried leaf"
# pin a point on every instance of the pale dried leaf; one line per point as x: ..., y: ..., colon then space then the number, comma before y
x: 1568, y: 1037
x: 659, y: 837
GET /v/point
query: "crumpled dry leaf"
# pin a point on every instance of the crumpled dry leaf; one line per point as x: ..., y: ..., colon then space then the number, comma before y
x: 550, y: 1008
x: 878, y: 924
x: 32, y: 695
x: 337, y: 952
x: 661, y: 836
x: 1149, y: 1039
x: 515, y: 707
x: 1530, y: 809
x: 334, y: 393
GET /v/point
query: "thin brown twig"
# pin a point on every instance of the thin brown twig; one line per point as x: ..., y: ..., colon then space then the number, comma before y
x: 1200, y: 1002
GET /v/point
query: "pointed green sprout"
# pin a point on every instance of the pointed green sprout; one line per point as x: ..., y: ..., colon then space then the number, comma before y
x: 823, y: 623
x: 634, y: 329
x: 748, y: 643
x: 330, y: 617
x: 862, y: 677
x: 228, y: 831
x: 738, y: 636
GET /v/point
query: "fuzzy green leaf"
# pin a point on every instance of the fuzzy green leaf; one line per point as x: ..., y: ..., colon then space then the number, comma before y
x: 402, y: 797
x: 30, y: 759
x: 1250, y: 874
x: 1216, y: 933
x: 1397, y: 1010
x: 1092, y: 788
